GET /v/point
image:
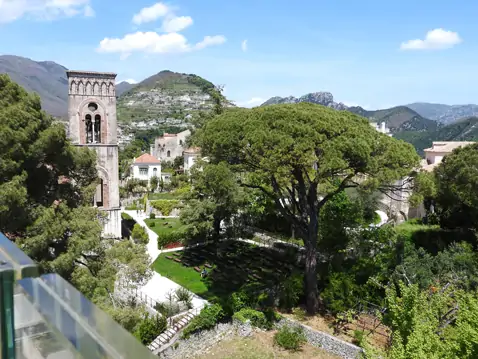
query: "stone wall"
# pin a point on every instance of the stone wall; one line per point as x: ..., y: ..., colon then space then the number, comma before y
x: 199, y: 343
x: 325, y: 341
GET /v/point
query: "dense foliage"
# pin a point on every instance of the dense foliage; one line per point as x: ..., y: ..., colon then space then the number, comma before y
x: 306, y: 154
x: 46, y: 191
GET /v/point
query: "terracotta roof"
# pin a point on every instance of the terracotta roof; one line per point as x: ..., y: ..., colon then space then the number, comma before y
x: 192, y: 150
x: 146, y: 158
x: 447, y: 147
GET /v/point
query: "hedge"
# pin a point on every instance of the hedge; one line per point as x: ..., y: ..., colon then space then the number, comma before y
x: 167, y: 238
x: 165, y: 206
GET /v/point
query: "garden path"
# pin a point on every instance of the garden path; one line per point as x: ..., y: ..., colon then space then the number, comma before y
x: 158, y: 286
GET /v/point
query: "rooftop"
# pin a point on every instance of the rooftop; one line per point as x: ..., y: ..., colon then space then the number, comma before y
x: 146, y: 158
x: 447, y: 146
x: 192, y: 150
x: 95, y: 74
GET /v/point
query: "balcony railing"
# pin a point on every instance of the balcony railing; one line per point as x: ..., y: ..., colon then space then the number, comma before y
x: 45, y: 317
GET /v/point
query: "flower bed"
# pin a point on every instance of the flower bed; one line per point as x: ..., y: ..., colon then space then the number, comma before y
x: 173, y: 245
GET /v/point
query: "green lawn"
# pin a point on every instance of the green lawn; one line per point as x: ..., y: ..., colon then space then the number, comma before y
x: 160, y: 226
x: 235, y: 265
x: 184, y: 276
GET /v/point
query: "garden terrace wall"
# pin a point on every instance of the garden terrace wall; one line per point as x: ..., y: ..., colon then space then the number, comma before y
x: 325, y: 341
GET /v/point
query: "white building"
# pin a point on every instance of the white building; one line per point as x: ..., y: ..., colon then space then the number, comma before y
x: 434, y: 155
x: 146, y: 167
x: 170, y: 146
x: 382, y: 128
x: 191, y: 156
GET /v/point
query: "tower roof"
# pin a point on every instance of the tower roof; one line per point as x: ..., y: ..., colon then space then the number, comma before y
x: 95, y: 74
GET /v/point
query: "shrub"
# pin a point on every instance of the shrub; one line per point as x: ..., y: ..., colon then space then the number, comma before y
x: 238, y: 301
x: 126, y: 216
x: 290, y: 338
x: 140, y: 234
x: 207, y: 319
x: 258, y: 319
x: 165, y: 206
x: 168, y: 309
x: 150, y: 327
x: 152, y: 216
x: 167, y: 238
x: 152, y: 224
x: 185, y: 296
x: 299, y: 314
x: 291, y: 291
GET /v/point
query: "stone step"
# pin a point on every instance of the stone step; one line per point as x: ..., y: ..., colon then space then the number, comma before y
x: 183, y: 322
x: 163, y: 337
x: 170, y: 332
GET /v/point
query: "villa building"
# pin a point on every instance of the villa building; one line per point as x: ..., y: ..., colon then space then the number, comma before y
x: 170, y: 146
x: 146, y: 167
x: 190, y: 157
x: 434, y: 155
x: 382, y: 128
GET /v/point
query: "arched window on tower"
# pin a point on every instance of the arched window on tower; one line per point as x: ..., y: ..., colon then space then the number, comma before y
x: 89, y: 129
x: 99, y: 194
x: 180, y: 142
x: 168, y: 154
x: 97, y: 129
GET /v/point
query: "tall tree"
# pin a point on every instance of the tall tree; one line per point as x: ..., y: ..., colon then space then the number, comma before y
x: 215, y: 197
x: 456, y: 182
x: 301, y: 156
x: 46, y: 191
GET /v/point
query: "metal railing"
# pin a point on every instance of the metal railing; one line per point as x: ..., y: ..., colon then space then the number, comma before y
x: 44, y: 316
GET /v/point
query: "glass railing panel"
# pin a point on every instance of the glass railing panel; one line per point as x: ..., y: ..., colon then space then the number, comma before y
x: 24, y: 266
x: 91, y: 331
x: 35, y: 336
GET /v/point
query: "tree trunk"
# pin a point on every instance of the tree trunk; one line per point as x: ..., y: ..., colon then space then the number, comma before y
x: 311, y: 290
x: 217, y: 227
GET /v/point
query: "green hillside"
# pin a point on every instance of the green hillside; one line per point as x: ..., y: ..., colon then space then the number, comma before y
x: 166, y: 95
x: 462, y: 130
x: 397, y: 119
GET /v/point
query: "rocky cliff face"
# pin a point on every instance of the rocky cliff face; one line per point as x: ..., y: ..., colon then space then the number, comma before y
x: 320, y: 98
x: 444, y: 113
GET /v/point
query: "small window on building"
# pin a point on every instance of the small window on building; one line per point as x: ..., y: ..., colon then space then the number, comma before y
x: 168, y: 154
x: 180, y: 142
x: 155, y: 171
x: 143, y: 171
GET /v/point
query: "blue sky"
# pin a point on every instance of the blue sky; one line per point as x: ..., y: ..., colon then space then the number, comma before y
x: 358, y: 50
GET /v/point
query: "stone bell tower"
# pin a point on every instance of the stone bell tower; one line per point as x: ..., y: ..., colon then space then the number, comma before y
x: 92, y: 123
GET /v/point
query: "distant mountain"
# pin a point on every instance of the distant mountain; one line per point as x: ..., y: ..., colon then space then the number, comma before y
x: 461, y: 130
x: 320, y: 98
x: 46, y: 78
x: 122, y: 87
x: 400, y: 118
x: 444, y: 113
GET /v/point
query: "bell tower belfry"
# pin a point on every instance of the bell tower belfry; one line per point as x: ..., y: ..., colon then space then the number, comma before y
x: 92, y: 123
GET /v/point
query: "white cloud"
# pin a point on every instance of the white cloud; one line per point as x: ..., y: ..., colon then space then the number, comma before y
x: 244, y: 45
x: 436, y: 39
x: 210, y: 41
x: 89, y: 12
x: 11, y: 10
x: 176, y: 23
x: 152, y: 42
x: 152, y: 13
x: 255, y: 101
